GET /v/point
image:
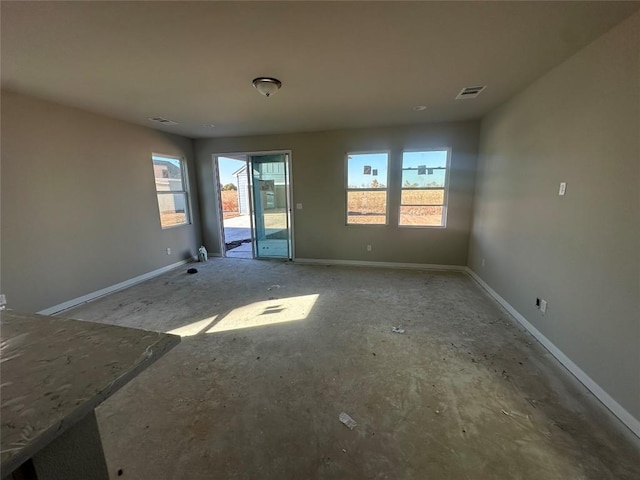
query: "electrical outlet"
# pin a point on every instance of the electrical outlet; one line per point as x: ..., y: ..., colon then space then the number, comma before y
x: 543, y: 306
x: 368, y: 248
x: 298, y: 206
x: 168, y: 251
x: 482, y: 263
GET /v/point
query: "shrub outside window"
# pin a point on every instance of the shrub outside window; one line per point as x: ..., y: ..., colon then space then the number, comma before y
x: 425, y: 176
x: 171, y: 188
x: 367, y: 180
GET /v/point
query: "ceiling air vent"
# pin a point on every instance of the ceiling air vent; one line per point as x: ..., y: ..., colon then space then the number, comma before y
x: 470, y: 92
x: 163, y: 121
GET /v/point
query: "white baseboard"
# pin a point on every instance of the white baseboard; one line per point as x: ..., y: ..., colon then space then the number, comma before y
x: 618, y: 410
x: 113, y: 288
x: 360, y: 263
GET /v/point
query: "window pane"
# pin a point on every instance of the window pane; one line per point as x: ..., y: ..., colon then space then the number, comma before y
x: 367, y: 207
x: 168, y: 174
x: 422, y: 197
x: 424, y: 169
x: 367, y: 170
x: 173, y: 209
x: 421, y: 216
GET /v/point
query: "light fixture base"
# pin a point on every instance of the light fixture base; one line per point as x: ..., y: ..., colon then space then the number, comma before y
x: 267, y: 86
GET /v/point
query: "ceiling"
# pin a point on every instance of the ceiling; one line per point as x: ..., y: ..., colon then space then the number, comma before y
x: 342, y: 64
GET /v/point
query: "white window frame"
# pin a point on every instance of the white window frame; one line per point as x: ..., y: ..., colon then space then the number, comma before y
x: 445, y: 196
x: 184, y: 191
x: 347, y: 189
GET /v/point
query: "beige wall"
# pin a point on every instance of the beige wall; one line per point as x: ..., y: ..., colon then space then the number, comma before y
x: 580, y: 124
x: 79, y: 209
x: 318, y: 170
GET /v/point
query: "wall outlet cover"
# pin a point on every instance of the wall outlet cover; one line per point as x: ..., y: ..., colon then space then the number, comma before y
x: 562, y: 189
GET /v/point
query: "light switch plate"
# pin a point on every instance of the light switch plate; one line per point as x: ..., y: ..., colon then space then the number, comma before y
x: 563, y: 188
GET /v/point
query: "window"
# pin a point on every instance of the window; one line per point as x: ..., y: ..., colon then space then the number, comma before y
x: 171, y: 187
x: 423, y: 200
x: 367, y: 188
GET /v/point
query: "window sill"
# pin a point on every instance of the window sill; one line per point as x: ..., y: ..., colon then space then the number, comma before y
x: 423, y: 226
x: 171, y: 227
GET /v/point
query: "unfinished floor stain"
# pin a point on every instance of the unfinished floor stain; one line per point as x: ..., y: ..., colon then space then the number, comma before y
x: 256, y: 387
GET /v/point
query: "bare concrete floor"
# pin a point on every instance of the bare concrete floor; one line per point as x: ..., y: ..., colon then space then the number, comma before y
x: 255, y: 390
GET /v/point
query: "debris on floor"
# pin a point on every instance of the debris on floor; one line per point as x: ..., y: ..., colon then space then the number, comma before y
x: 397, y: 330
x: 192, y: 270
x: 514, y: 414
x: 347, y: 420
x: 273, y: 287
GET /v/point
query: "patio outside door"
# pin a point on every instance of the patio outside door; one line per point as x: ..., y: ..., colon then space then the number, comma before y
x: 271, y: 210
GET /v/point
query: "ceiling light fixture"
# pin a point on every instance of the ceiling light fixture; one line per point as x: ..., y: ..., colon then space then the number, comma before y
x: 267, y: 86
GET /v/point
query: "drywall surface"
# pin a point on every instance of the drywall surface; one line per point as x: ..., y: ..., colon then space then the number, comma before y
x: 318, y: 181
x: 578, y: 124
x: 79, y: 207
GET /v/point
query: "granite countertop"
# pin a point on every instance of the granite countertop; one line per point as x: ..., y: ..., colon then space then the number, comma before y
x: 54, y: 371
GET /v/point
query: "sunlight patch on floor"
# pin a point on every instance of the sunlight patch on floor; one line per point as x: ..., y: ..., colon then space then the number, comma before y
x: 193, y: 328
x: 268, y: 312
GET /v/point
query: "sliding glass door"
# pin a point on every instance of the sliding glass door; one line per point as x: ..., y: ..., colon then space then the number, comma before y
x: 271, y: 210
